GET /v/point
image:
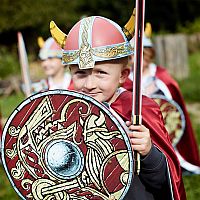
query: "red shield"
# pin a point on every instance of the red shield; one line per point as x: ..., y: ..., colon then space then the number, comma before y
x: 173, y: 117
x: 65, y: 145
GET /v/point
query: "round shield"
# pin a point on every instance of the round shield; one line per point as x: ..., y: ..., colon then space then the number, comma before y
x: 65, y: 145
x: 173, y: 116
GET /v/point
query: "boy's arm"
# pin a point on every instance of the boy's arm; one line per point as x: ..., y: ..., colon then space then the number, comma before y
x: 154, y: 169
x: 153, y: 163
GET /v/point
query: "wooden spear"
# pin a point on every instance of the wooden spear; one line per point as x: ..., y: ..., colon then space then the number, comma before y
x: 137, y: 71
x: 24, y: 64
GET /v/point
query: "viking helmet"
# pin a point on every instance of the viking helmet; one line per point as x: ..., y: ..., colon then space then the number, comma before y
x: 49, y: 49
x: 147, y: 42
x: 94, y: 39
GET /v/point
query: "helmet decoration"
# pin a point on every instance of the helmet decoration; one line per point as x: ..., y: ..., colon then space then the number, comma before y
x: 49, y: 49
x: 91, y: 40
x: 40, y: 41
x: 147, y: 36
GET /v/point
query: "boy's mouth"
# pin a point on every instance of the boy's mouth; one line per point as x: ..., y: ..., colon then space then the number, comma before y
x: 92, y: 94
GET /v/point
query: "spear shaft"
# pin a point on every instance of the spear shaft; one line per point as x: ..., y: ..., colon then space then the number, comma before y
x: 137, y: 71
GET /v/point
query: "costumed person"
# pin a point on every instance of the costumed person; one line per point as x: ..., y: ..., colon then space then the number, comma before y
x: 157, y: 81
x: 50, y: 55
x: 98, y: 59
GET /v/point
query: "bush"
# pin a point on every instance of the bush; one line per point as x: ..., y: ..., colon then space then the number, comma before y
x: 190, y: 27
x: 9, y: 63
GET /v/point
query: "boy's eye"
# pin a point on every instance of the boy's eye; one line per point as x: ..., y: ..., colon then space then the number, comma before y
x: 101, y: 72
x: 80, y: 72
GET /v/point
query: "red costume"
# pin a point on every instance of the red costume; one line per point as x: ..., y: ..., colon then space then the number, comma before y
x: 159, y: 135
x: 87, y: 43
x: 187, y: 146
x: 157, y: 80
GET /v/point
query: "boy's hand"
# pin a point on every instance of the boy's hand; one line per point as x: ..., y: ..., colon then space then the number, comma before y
x: 140, y: 138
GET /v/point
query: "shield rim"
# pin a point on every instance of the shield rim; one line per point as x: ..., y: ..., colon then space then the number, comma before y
x: 75, y: 94
x: 183, y: 122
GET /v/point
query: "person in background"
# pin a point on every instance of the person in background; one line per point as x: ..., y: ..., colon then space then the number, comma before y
x: 98, y: 59
x: 157, y: 80
x: 50, y: 55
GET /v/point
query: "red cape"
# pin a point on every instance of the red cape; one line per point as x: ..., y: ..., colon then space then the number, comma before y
x: 187, y: 146
x: 71, y: 86
x: 160, y: 137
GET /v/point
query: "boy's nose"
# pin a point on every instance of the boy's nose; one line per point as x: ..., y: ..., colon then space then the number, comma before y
x: 45, y: 63
x: 90, y: 82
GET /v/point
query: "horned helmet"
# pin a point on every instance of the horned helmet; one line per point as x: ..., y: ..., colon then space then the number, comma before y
x: 94, y: 39
x: 49, y: 49
x: 147, y: 42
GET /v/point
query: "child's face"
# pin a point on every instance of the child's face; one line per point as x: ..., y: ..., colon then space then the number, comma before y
x: 52, y: 66
x: 147, y: 57
x: 102, y: 81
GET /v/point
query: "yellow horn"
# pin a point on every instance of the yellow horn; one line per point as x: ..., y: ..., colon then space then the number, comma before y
x: 129, y: 28
x: 57, y: 34
x: 148, y: 30
x: 40, y: 41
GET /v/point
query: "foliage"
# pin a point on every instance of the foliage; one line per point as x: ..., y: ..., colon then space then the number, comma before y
x: 27, y: 13
x: 190, y: 86
x: 168, y: 15
x: 37, y: 14
x: 9, y: 63
x: 190, y: 27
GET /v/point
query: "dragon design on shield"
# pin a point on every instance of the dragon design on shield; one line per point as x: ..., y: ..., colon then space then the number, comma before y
x: 173, y: 116
x: 60, y: 146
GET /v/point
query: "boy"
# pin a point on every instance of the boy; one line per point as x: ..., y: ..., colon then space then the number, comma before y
x: 157, y: 80
x: 97, y: 51
x: 50, y: 55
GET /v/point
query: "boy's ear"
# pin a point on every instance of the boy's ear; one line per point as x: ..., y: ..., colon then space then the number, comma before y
x: 124, y: 74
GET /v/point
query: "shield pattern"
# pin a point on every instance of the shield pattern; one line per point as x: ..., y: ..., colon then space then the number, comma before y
x: 173, y: 116
x: 65, y: 145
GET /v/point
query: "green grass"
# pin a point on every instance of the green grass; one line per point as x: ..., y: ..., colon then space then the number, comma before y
x: 6, y: 191
x: 8, y: 104
x: 196, y: 126
x: 192, y: 186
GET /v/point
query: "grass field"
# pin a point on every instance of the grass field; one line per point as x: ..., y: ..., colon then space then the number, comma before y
x: 191, y: 92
